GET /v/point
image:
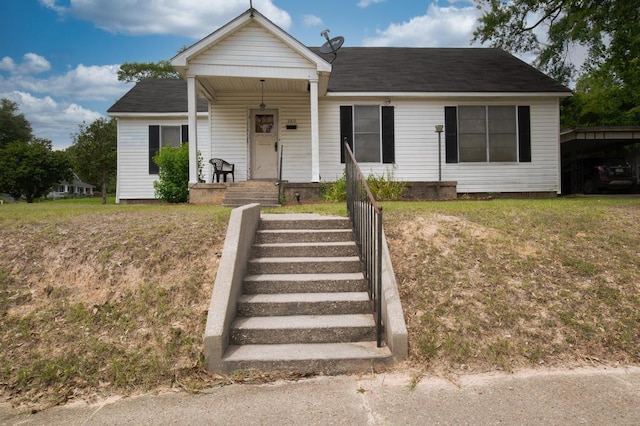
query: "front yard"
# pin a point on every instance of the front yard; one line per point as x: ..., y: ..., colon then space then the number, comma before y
x: 98, y: 300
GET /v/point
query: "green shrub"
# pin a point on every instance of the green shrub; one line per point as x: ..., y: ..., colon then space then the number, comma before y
x: 173, y: 183
x: 335, y: 192
x: 385, y: 188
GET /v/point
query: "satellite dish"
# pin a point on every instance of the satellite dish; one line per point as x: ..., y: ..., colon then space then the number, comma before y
x: 331, y: 45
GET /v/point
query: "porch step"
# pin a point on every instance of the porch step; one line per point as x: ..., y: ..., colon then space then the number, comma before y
x: 330, y: 358
x: 242, y: 193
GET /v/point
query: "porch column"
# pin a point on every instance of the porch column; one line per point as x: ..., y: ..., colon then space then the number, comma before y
x: 315, y: 132
x: 192, y: 101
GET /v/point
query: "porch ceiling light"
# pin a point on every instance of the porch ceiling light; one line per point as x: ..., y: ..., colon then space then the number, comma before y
x: 262, y: 105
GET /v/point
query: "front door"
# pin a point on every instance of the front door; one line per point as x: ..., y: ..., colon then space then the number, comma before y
x: 264, y: 144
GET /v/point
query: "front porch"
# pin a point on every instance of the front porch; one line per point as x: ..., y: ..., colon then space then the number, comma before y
x: 303, y: 193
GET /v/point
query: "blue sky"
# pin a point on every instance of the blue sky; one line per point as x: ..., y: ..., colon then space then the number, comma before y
x: 59, y: 58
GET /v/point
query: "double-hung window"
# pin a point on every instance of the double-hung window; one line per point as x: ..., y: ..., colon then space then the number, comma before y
x: 369, y: 132
x: 487, y: 134
x: 162, y: 137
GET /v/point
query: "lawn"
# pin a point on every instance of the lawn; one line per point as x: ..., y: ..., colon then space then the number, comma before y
x: 97, y: 300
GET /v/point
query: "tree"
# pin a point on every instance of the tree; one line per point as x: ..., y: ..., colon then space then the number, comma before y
x: 13, y: 125
x: 609, y: 29
x: 600, y: 100
x: 173, y: 183
x: 133, y: 72
x: 94, y: 153
x: 31, y: 169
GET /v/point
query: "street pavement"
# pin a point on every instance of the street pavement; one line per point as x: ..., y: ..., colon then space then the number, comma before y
x: 592, y: 396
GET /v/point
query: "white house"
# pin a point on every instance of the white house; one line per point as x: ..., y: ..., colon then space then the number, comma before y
x: 76, y: 188
x: 251, y: 90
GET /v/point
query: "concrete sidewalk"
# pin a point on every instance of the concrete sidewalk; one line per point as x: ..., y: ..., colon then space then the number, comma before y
x: 585, y: 396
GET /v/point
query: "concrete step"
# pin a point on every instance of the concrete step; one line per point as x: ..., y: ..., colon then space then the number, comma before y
x: 334, y: 249
x: 253, y: 184
x: 303, y: 221
x: 250, y: 194
x: 304, y: 265
x: 303, y: 329
x: 303, y: 304
x: 303, y: 283
x: 330, y: 358
x: 268, y: 236
x: 244, y: 202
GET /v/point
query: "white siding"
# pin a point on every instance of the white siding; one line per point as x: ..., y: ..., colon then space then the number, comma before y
x: 230, y: 125
x: 416, y: 144
x: 416, y: 147
x: 134, y: 181
x: 252, y: 46
x: 540, y: 175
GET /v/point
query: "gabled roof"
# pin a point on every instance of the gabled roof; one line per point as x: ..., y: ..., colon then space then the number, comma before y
x: 181, y: 60
x: 382, y: 70
x: 435, y: 70
x: 160, y: 95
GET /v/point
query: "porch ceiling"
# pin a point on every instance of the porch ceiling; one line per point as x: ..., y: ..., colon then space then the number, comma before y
x: 251, y: 85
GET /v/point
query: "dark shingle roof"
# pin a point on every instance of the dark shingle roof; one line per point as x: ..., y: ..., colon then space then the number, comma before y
x: 455, y: 70
x: 156, y: 96
x: 381, y: 70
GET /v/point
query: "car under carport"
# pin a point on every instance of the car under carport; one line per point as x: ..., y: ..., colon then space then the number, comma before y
x: 580, y: 147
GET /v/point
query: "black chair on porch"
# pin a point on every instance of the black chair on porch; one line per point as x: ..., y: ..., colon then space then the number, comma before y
x: 222, y: 168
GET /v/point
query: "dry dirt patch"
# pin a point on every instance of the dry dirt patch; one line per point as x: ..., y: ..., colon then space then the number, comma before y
x: 508, y: 286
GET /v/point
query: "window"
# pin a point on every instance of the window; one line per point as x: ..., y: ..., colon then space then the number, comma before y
x: 170, y: 136
x: 487, y: 134
x: 369, y: 131
x: 162, y: 137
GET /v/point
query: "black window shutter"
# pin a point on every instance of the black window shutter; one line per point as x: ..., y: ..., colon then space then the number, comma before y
x: 524, y: 134
x: 346, y: 129
x: 388, y: 135
x: 185, y: 133
x: 154, y: 147
x: 451, y: 134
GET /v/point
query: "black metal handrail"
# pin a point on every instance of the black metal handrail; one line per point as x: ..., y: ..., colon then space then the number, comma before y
x: 279, y: 181
x: 366, y: 219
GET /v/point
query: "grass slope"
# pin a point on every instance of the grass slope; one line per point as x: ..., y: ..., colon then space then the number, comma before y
x: 113, y: 299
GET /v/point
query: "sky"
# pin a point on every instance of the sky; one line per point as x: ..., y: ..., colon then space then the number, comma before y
x: 59, y: 58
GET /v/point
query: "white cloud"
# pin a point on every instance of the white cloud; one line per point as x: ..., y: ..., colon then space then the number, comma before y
x: 439, y: 27
x: 50, y: 119
x: 311, y: 20
x: 193, y: 18
x: 55, y: 105
x: 85, y: 83
x: 7, y: 64
x: 367, y: 3
x: 34, y: 64
x: 31, y: 64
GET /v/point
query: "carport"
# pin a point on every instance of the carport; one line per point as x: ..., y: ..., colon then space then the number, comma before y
x: 581, y: 144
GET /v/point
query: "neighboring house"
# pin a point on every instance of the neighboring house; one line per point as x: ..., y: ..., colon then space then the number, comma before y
x: 77, y: 188
x: 251, y: 91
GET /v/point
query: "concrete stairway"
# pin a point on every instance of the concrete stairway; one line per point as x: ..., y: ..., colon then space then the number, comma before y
x: 304, y: 306
x: 264, y: 193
